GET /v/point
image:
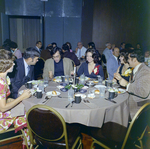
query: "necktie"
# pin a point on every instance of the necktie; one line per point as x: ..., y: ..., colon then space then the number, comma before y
x: 79, y: 53
x: 28, y: 70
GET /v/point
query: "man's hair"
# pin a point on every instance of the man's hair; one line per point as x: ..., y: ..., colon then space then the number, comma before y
x: 38, y: 42
x: 138, y: 56
x: 31, y: 53
x: 122, y: 43
x: 92, y: 44
x: 70, y: 46
x: 65, y: 47
x: 13, y: 45
x: 54, y: 50
x: 54, y: 43
x: 107, y: 43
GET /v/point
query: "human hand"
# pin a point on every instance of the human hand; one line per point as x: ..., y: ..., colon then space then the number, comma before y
x: 76, y: 50
x: 123, y: 82
x: 50, y: 74
x: 117, y: 76
x: 26, y: 94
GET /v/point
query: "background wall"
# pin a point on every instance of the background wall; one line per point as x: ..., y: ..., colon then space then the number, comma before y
x: 116, y: 21
x: 99, y: 21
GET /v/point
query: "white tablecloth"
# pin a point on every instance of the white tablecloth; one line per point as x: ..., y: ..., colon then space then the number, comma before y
x: 95, y: 113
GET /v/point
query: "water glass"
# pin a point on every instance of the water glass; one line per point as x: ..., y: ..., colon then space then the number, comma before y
x: 102, y: 91
x: 67, y: 79
x: 100, y: 80
x: 91, y: 92
x: 46, y: 81
x: 41, y: 87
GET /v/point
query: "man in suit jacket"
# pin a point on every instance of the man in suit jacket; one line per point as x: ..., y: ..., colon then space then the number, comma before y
x: 57, y: 65
x: 139, y: 87
x: 23, y: 70
x: 38, y: 46
x: 113, y: 63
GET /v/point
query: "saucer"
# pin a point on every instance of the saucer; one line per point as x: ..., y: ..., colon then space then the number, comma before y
x: 82, y: 91
x: 64, y: 89
x: 63, y: 84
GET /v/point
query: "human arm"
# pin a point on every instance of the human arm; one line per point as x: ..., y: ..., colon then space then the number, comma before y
x: 48, y: 67
x: 4, y: 106
x: 76, y: 50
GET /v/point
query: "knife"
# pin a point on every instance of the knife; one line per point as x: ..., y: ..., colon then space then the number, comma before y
x: 110, y: 100
x: 68, y: 105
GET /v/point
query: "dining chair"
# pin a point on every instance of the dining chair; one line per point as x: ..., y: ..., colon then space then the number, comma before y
x: 47, y: 128
x: 38, y: 69
x: 113, y: 135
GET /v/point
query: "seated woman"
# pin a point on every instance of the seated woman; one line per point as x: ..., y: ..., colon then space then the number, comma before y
x: 91, y: 68
x: 57, y: 65
x: 6, y: 104
x: 124, y: 71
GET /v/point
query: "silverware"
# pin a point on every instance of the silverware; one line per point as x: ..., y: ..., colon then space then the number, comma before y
x: 110, y: 100
x: 68, y: 105
x: 46, y: 98
x: 59, y: 96
x: 72, y: 103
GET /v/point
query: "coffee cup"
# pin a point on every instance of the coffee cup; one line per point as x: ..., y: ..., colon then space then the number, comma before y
x: 28, y: 85
x: 111, y: 94
x: 38, y: 94
x: 63, y: 78
x: 77, y: 98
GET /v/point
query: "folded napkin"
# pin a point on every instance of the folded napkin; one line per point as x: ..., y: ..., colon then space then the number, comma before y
x: 17, y: 110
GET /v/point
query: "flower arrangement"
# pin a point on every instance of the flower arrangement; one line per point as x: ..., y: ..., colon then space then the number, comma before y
x: 127, y: 72
x: 96, y: 70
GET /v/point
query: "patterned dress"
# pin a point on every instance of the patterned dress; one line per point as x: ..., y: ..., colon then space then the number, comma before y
x: 6, y: 120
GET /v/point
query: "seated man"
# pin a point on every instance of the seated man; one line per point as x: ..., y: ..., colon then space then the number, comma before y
x: 80, y: 50
x: 113, y: 63
x: 70, y: 55
x: 57, y: 66
x: 139, y: 87
x: 23, y: 70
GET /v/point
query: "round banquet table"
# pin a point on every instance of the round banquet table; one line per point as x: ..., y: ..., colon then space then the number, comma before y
x: 95, y: 113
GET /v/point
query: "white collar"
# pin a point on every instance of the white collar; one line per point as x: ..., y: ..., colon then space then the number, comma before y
x: 116, y: 58
x: 136, y: 68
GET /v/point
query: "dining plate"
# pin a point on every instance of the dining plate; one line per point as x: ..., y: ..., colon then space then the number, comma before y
x: 50, y: 93
x: 63, y: 84
x: 121, y: 91
x: 91, y: 96
x: 32, y: 91
x: 36, y: 82
x: 82, y: 95
x: 82, y: 90
x: 64, y: 89
x: 98, y: 86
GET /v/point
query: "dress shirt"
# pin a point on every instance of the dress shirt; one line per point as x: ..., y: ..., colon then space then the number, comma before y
x: 134, y: 71
x: 26, y: 67
x: 82, y: 50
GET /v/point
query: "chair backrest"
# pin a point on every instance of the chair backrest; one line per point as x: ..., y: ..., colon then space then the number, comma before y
x: 137, y: 127
x: 38, y: 68
x: 46, y: 123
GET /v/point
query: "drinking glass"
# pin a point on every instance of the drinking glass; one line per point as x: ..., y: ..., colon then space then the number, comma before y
x: 100, y: 80
x: 41, y: 86
x: 102, y: 91
x: 46, y: 81
x: 67, y: 79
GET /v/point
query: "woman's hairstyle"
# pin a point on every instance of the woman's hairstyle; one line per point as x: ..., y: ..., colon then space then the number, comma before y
x: 31, y: 53
x: 54, y: 50
x: 68, y: 43
x: 125, y: 55
x: 6, y: 60
x: 65, y: 47
x: 94, y: 55
x: 92, y: 44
